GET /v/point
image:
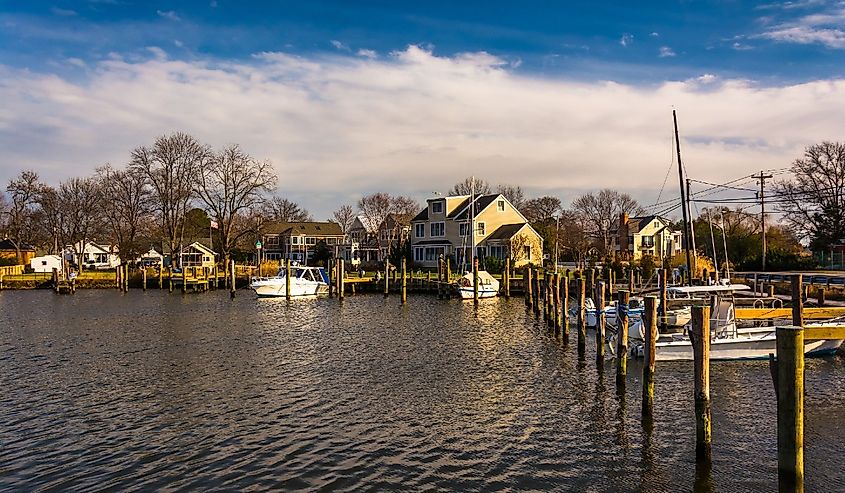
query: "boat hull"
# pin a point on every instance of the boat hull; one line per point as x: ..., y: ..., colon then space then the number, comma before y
x: 467, y: 293
x: 269, y: 289
x: 734, y: 349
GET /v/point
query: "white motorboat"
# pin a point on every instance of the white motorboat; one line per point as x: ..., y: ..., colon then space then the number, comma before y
x: 304, y: 281
x: 635, y: 312
x: 488, y: 286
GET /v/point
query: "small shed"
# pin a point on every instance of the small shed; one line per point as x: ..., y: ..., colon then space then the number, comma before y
x: 197, y: 255
x: 151, y: 258
x: 46, y: 263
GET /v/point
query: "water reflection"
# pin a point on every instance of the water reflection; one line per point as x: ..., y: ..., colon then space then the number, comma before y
x: 158, y: 391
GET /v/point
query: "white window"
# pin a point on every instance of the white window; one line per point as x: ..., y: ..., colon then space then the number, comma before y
x: 433, y: 253
x: 500, y: 205
x: 310, y: 240
x: 437, y: 207
x: 294, y: 240
x: 438, y: 229
x: 419, y: 230
x: 497, y: 251
x: 481, y: 229
x: 464, y: 229
x: 271, y: 240
x: 527, y: 250
x: 418, y: 254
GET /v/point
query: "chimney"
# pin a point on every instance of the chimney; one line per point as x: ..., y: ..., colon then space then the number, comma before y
x: 623, y: 232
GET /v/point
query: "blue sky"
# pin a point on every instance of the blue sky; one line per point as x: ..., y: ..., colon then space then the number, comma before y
x: 559, y: 97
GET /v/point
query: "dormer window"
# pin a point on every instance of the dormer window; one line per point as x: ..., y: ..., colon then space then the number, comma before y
x: 437, y: 207
x: 500, y: 205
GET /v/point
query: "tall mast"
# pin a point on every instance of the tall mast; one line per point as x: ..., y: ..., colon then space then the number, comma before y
x: 472, y: 219
x: 687, y: 228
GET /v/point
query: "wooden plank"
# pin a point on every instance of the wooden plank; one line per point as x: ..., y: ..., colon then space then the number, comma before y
x: 820, y: 313
x: 824, y: 332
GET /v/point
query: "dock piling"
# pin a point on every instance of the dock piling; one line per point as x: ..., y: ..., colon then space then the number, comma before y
x: 386, y: 278
x: 526, y: 286
x: 232, y: 280
x: 507, y: 277
x: 649, y: 352
x: 582, y: 317
x: 144, y: 278
x: 790, y: 405
x: 797, y: 301
x: 405, y: 281
x: 600, y: 323
x: 700, y: 335
x: 622, y: 337
x: 341, y: 272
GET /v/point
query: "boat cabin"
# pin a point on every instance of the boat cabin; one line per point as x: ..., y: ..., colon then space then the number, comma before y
x: 316, y: 274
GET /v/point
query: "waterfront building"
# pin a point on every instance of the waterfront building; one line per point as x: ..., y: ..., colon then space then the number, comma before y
x: 298, y: 241
x: 92, y: 255
x: 8, y: 253
x: 443, y: 228
x: 197, y: 255
x: 46, y: 263
x: 646, y: 235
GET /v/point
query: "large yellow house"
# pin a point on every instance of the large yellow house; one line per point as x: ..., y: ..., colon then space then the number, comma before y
x: 647, y: 235
x: 443, y: 228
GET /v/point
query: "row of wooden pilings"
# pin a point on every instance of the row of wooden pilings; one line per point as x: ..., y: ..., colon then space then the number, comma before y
x: 546, y: 293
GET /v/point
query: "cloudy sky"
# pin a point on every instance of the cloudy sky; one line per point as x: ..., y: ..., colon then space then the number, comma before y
x: 348, y: 98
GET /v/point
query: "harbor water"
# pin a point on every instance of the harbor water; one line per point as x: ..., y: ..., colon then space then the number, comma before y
x: 110, y: 391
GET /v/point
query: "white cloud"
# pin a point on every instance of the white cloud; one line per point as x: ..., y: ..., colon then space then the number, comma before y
x: 826, y: 28
x: 340, y: 46
x: 626, y: 39
x: 63, y: 12
x: 76, y: 62
x: 741, y: 46
x: 654, y: 34
x: 168, y: 14
x: 367, y: 53
x: 338, y: 127
x: 665, y: 51
x: 178, y: 43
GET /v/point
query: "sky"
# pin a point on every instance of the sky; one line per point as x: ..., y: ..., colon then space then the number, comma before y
x: 349, y: 98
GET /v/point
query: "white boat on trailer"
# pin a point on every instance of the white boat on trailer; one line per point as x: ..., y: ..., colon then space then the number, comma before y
x: 304, y: 281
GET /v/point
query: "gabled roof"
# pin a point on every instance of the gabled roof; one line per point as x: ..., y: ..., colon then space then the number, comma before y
x: 481, y: 202
x: 505, y: 231
x: 422, y: 215
x: 311, y: 228
x: 199, y: 246
x: 6, y: 244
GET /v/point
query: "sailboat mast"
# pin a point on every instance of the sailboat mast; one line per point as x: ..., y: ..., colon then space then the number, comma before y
x: 472, y: 219
x: 687, y: 228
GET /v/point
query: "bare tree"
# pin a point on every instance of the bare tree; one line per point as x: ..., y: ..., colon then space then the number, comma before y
x: 231, y: 184
x: 77, y: 204
x: 542, y: 210
x: 392, y: 213
x: 517, y: 247
x: 172, y: 166
x: 287, y: 211
x: 21, y: 223
x: 344, y: 216
x: 572, y: 237
x: 127, y: 206
x: 601, y: 212
x: 814, y: 201
x: 466, y: 187
x: 514, y: 195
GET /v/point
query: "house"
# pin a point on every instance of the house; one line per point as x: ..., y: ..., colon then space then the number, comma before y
x: 8, y: 253
x: 646, y: 235
x: 392, y: 233
x: 362, y: 241
x: 46, y: 263
x: 150, y: 259
x: 92, y: 255
x: 197, y: 255
x: 299, y: 240
x: 443, y: 228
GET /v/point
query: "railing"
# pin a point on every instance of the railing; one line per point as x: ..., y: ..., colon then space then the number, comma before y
x: 11, y: 270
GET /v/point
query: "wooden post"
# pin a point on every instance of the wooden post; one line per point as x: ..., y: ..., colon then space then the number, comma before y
x: 117, y: 282
x: 564, y: 309
x: 622, y: 337
x: 440, y: 267
x: 556, y: 294
x: 170, y: 279
x: 340, y: 274
x: 54, y: 278
x: 631, y: 280
x: 526, y: 286
x: 475, y: 280
x: 664, y: 299
x: 600, y: 323
x: 287, y: 279
x: 161, y: 274
x: 582, y: 317
x: 448, y: 270
x: 232, y: 278
x: 700, y: 335
x: 507, y: 277
x: 649, y: 351
x: 591, y: 284
x: 332, y: 268
x: 820, y: 296
x: 386, y: 278
x: 185, y: 279
x: 144, y: 280
x: 790, y: 399
x: 405, y: 281
x: 797, y: 301
x: 537, y: 307
x: 771, y: 290
x: 546, y: 293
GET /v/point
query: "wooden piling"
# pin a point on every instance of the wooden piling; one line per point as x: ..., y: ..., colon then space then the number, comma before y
x: 161, y: 274
x: 54, y: 278
x: 582, y: 317
x: 475, y: 281
x: 631, y: 280
x: 790, y: 400
x: 546, y: 293
x: 170, y: 279
x: 117, y: 282
x: 664, y: 299
x: 564, y: 308
x: 622, y: 337
x: 341, y: 272
x: 232, y: 278
x: 797, y: 301
x: 185, y: 279
x: 386, y: 278
x: 591, y: 284
x: 556, y: 291
x: 287, y: 279
x: 526, y: 286
x: 600, y: 323
x: 507, y: 277
x: 144, y: 278
x: 700, y: 336
x: 537, y: 307
x: 820, y: 296
x: 448, y: 270
x: 649, y: 351
x: 550, y: 287
x: 332, y: 269
x: 405, y: 281
x: 771, y: 290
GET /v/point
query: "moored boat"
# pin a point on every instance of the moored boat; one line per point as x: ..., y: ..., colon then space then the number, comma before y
x: 488, y: 286
x: 304, y: 281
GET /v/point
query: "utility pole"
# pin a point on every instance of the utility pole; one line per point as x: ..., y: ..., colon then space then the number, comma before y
x: 687, y: 226
x: 762, y: 179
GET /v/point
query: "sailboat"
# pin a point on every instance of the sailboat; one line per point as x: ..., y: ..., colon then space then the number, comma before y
x: 482, y: 283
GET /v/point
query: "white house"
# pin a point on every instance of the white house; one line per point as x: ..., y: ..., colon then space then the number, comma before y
x: 151, y: 258
x: 93, y: 256
x: 46, y: 263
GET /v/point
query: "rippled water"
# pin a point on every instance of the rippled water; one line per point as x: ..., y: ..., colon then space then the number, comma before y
x: 148, y: 390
